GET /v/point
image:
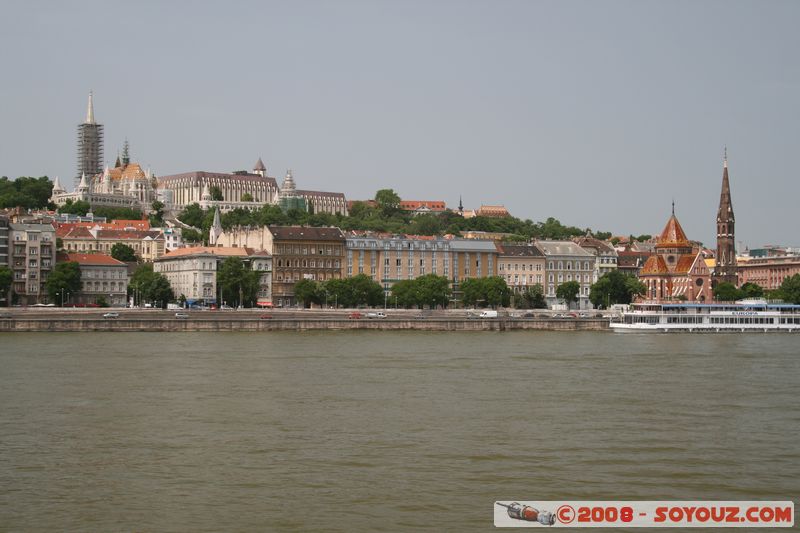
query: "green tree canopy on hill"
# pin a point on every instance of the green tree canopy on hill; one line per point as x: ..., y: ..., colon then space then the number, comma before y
x: 25, y: 191
x: 122, y: 252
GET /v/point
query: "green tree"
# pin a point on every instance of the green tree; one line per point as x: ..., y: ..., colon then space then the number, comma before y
x: 751, y: 290
x: 5, y: 282
x: 117, y: 213
x: 615, y: 287
x: 193, y: 215
x: 27, y: 192
x: 247, y: 197
x: 150, y: 287
x: 472, y: 292
x: 191, y: 235
x: 531, y: 298
x: 365, y: 291
x: 432, y: 291
x: 232, y: 281
x: 307, y: 291
x: 568, y: 292
x: 404, y: 293
x: 64, y: 278
x: 75, y: 208
x: 338, y: 292
x: 123, y: 252
x: 157, y: 213
x: 388, y: 201
x: 726, y: 292
x: 496, y: 291
x: 790, y: 289
x: 216, y: 193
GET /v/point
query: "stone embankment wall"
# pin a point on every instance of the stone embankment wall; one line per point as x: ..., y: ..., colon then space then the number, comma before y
x: 82, y: 324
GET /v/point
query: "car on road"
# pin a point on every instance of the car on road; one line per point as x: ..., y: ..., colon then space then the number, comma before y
x: 420, y: 317
x: 355, y: 315
x: 111, y: 315
x: 226, y: 308
x: 265, y: 317
x: 5, y: 314
x: 181, y: 315
x: 376, y: 315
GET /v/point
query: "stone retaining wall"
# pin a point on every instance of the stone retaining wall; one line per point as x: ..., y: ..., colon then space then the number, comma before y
x: 79, y: 324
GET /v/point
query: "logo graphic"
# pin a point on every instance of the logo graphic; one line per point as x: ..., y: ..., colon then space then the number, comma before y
x: 528, y: 514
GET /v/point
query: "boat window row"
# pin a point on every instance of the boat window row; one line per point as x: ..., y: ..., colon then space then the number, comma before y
x: 741, y: 320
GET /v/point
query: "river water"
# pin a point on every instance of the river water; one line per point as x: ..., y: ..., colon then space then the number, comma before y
x: 383, y: 431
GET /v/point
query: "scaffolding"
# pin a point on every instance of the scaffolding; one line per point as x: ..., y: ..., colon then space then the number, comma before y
x: 90, y: 151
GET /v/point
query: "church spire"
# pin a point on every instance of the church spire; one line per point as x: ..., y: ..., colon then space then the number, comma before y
x: 126, y: 155
x: 216, y: 229
x: 90, y: 111
x: 725, y: 268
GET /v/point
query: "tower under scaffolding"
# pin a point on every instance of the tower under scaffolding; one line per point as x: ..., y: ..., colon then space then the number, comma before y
x: 90, y: 145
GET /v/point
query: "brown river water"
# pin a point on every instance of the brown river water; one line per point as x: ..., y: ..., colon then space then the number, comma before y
x: 383, y: 431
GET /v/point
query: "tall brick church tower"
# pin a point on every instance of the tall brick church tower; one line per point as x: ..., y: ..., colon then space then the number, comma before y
x: 725, y: 269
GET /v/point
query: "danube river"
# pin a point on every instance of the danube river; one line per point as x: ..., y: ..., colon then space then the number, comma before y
x: 383, y: 431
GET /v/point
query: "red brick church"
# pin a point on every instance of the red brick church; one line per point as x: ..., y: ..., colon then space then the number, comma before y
x: 676, y: 271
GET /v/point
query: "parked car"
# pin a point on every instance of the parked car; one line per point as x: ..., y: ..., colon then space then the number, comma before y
x: 420, y: 317
x: 355, y: 315
x: 111, y: 315
x: 181, y: 315
x: 226, y: 308
x: 376, y: 315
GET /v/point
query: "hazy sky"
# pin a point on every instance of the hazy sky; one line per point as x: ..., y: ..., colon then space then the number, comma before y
x: 597, y: 113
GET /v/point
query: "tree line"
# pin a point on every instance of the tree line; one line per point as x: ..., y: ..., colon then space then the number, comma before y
x: 383, y: 215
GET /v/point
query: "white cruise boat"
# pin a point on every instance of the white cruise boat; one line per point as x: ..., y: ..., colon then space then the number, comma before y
x: 750, y: 315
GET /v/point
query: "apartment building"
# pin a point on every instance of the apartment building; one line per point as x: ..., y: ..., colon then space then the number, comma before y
x: 102, y: 278
x: 521, y: 266
x: 566, y: 261
x: 32, y: 258
x: 192, y: 272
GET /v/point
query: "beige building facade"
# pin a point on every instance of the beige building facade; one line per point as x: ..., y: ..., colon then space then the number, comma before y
x: 32, y: 258
x: 148, y: 245
x: 102, y: 278
x: 192, y: 272
x: 521, y: 266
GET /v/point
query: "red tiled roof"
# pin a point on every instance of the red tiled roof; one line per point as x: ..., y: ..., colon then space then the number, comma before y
x: 685, y: 263
x: 655, y: 264
x: 673, y: 234
x: 90, y: 259
x: 224, y: 251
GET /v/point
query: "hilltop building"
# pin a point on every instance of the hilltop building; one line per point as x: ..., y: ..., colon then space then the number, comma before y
x: 125, y: 185
x: 241, y: 189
